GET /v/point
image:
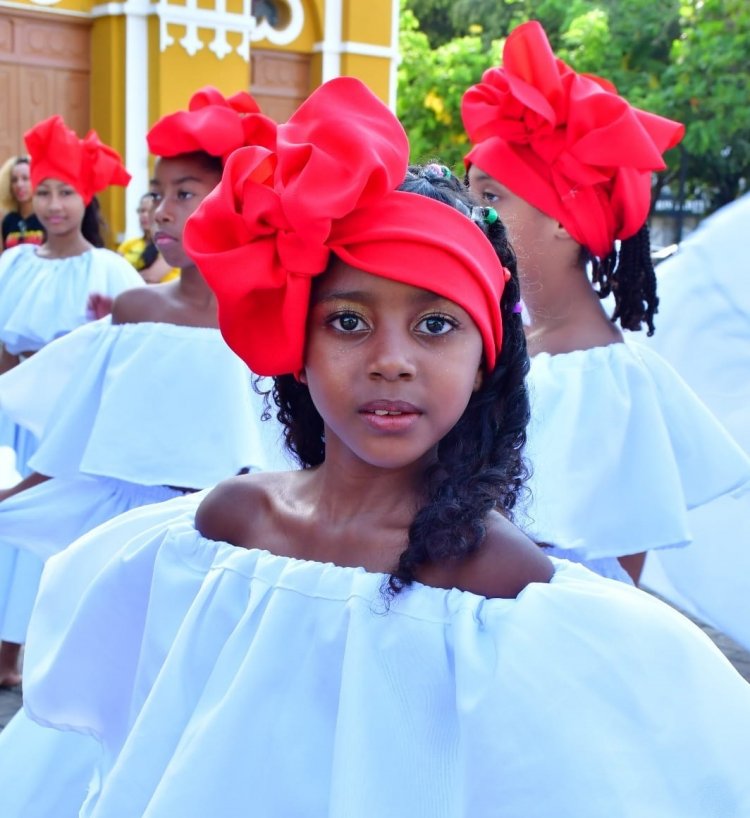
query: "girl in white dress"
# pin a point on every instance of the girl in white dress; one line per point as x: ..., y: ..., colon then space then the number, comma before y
x: 619, y: 447
x: 44, y: 290
x: 44, y: 293
x: 371, y: 635
x: 119, y: 406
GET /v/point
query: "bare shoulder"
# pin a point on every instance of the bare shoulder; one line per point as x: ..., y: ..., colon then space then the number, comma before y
x: 235, y: 510
x: 139, y: 304
x: 506, y: 563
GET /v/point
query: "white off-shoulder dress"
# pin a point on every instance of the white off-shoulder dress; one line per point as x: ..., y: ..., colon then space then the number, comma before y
x: 704, y: 332
x: 42, y: 299
x: 620, y: 450
x: 126, y: 415
x: 218, y: 681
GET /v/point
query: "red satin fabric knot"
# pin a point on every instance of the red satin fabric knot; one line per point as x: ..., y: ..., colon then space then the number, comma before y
x: 213, y: 124
x: 87, y: 164
x: 566, y: 142
x: 329, y: 186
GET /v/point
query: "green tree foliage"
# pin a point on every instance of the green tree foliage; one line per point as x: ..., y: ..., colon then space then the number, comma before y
x: 431, y: 84
x: 686, y: 59
x: 707, y: 86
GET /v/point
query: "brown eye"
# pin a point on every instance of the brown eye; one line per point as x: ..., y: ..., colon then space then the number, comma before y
x: 436, y: 325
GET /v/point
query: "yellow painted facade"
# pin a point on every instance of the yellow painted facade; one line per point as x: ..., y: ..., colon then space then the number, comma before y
x: 177, y: 46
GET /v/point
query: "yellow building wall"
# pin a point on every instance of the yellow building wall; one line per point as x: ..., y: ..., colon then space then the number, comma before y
x: 107, y: 94
x: 174, y: 74
x: 82, y: 6
x: 373, y: 71
x: 367, y: 22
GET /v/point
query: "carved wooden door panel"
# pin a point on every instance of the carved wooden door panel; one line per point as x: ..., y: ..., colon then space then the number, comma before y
x: 279, y: 81
x: 44, y: 70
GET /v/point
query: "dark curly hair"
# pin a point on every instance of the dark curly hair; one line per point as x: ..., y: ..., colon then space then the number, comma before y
x: 93, y: 226
x: 628, y: 275
x: 479, y: 465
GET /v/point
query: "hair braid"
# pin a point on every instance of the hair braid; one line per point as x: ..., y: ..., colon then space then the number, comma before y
x: 629, y: 276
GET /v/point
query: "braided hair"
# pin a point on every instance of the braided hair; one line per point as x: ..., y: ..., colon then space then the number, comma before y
x: 628, y: 275
x: 479, y: 465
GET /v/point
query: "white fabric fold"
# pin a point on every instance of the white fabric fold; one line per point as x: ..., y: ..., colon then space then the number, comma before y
x: 147, y: 403
x: 621, y: 449
x: 42, y: 299
x: 223, y: 681
x: 704, y: 332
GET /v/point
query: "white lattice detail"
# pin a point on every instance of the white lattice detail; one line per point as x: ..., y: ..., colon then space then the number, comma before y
x: 222, y: 22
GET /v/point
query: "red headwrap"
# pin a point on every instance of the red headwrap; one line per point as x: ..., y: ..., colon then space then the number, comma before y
x: 212, y: 124
x: 566, y: 142
x: 330, y: 187
x: 87, y: 164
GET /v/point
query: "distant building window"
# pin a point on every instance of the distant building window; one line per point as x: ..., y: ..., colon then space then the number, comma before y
x: 275, y: 13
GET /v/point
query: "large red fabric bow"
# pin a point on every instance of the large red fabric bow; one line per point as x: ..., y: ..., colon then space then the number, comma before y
x: 88, y: 165
x: 566, y: 142
x: 330, y: 186
x: 212, y: 124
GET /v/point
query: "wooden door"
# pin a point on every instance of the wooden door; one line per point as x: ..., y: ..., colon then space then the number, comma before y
x: 44, y: 70
x: 279, y: 81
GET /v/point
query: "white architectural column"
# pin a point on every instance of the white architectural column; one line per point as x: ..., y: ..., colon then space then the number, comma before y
x: 395, y: 54
x: 331, y: 45
x: 136, y: 108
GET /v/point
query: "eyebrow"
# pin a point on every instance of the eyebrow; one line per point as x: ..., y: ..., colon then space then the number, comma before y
x: 181, y: 181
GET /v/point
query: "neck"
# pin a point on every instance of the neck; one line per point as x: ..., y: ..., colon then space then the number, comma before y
x: 345, y: 488
x: 25, y: 209
x: 73, y: 244
x: 193, y: 288
x: 563, y: 309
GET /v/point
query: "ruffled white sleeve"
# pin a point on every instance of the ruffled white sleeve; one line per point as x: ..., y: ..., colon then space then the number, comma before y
x: 214, y: 676
x: 704, y: 332
x: 620, y: 449
x: 42, y: 299
x: 148, y: 403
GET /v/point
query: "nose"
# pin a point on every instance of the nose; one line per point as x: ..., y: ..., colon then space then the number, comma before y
x: 161, y: 214
x: 391, y: 356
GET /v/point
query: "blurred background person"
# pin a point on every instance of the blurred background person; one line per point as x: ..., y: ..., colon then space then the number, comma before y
x: 141, y: 251
x: 20, y: 225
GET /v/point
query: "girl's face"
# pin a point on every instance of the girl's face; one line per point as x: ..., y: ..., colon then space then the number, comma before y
x: 59, y: 207
x: 390, y: 367
x: 145, y: 213
x: 20, y: 183
x: 179, y: 185
x: 529, y: 230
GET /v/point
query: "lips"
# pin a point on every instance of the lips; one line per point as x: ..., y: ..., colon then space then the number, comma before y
x: 390, y: 416
x: 163, y: 238
x: 383, y: 408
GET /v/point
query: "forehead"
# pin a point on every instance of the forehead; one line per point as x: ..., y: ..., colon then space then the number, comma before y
x: 21, y: 169
x: 342, y: 280
x: 173, y: 169
x: 478, y: 176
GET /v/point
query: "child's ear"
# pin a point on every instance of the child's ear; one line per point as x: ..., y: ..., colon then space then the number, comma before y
x: 301, y: 376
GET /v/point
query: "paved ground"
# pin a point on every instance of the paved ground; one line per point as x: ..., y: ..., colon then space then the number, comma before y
x: 10, y: 700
